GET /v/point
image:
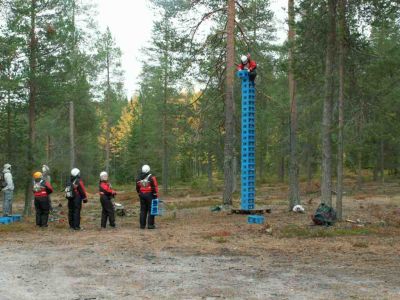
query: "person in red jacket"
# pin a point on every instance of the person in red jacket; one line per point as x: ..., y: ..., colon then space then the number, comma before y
x: 41, y: 190
x: 106, y: 195
x: 147, y: 188
x: 250, y: 65
x: 75, y: 200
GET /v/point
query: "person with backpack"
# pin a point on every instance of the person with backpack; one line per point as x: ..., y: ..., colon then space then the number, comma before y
x: 106, y: 195
x: 76, y: 194
x: 147, y: 188
x: 41, y: 191
x: 8, y: 190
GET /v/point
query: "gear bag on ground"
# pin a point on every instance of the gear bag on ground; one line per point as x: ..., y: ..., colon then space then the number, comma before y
x: 324, y: 215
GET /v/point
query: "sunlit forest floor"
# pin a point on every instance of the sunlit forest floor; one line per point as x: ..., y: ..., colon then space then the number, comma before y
x: 198, y: 254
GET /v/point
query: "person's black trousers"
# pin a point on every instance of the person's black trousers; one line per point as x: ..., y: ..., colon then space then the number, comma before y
x: 74, y: 212
x: 107, y: 212
x: 253, y: 75
x: 145, y: 209
x: 42, y: 206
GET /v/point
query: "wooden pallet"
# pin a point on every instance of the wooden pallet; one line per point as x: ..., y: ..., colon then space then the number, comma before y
x: 258, y: 211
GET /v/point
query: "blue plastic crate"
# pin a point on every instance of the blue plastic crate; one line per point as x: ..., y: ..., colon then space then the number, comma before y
x: 16, y: 218
x: 255, y: 219
x: 5, y: 220
x: 157, y: 207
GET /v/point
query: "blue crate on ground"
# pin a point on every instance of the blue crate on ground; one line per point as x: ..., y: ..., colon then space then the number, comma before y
x: 157, y: 207
x: 5, y: 220
x: 16, y: 218
x: 255, y: 219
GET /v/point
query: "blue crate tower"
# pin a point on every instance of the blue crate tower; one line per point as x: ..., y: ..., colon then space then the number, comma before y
x: 248, y: 142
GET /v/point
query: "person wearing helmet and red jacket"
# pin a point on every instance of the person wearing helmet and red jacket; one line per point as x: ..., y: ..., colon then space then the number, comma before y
x: 75, y: 201
x: 250, y: 65
x: 106, y: 195
x: 147, y: 188
x: 41, y: 190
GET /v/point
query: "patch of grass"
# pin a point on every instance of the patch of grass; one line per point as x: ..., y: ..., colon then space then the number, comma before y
x: 292, y: 231
x: 194, y: 204
x: 17, y: 227
x: 361, y: 245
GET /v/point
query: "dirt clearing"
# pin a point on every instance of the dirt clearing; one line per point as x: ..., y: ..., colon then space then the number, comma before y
x: 199, y: 254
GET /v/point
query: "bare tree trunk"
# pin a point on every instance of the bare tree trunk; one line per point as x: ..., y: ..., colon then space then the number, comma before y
x: 359, y: 169
x: 229, y: 106
x: 309, y: 168
x: 71, y: 135
x: 32, y: 101
x: 382, y: 161
x: 342, y: 26
x: 9, y: 145
x: 210, y: 182
x: 282, y: 169
x: 326, y: 182
x: 107, y: 103
x: 294, y: 196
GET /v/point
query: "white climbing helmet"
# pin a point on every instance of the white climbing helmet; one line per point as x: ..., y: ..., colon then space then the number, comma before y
x: 45, y: 169
x: 244, y: 59
x: 298, y: 208
x: 103, y: 175
x: 75, y: 172
x: 145, y: 169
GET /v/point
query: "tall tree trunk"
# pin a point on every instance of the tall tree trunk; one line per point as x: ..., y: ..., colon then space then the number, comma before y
x: 326, y: 182
x: 294, y: 196
x: 382, y: 161
x: 9, y: 145
x: 108, y: 106
x: 359, y: 170
x: 309, y: 167
x: 281, y: 171
x: 229, y: 106
x: 72, y: 135
x: 32, y: 101
x: 342, y: 30
x: 210, y: 182
x: 164, y: 133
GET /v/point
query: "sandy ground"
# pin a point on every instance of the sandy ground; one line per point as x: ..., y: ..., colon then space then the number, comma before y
x: 198, y: 254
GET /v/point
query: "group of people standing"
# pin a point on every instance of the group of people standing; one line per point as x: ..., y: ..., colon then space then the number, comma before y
x: 75, y: 193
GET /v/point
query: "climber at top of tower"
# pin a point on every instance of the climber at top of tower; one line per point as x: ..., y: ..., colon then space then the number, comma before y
x: 248, y: 64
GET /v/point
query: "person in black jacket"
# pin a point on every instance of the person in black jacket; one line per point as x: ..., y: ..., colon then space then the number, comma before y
x: 75, y: 202
x: 147, y: 188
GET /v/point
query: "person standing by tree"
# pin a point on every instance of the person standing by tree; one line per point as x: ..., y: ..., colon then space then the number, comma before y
x: 106, y: 195
x: 8, y: 190
x: 41, y: 190
x: 250, y: 65
x: 147, y: 188
x: 75, y: 198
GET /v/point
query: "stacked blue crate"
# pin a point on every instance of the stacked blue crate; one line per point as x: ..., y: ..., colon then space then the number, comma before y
x: 248, y: 142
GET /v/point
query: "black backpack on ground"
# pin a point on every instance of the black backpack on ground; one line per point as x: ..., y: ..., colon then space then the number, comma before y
x: 324, y: 215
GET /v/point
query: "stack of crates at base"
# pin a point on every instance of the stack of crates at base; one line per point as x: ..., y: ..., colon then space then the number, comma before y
x: 157, y: 207
x: 248, y: 142
x: 10, y: 219
x: 255, y: 219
